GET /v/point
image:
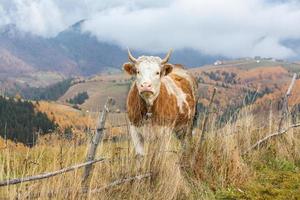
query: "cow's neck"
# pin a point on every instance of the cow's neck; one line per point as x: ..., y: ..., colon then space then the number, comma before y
x: 149, y: 102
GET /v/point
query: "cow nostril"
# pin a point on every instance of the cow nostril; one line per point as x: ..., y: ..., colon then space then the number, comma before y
x: 147, y: 85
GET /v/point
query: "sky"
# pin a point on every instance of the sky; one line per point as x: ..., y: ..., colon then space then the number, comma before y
x: 231, y: 28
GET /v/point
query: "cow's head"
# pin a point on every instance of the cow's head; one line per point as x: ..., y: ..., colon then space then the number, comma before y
x: 148, y: 71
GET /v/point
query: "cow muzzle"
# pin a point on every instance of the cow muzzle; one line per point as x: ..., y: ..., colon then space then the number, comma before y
x: 146, y: 94
x: 146, y: 89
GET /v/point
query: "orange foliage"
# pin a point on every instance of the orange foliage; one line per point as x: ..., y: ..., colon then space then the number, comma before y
x: 295, y: 95
x: 66, y: 116
x: 263, y: 73
x: 10, y: 144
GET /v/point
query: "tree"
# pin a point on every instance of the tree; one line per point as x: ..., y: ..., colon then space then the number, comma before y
x: 20, y: 122
x: 79, y: 98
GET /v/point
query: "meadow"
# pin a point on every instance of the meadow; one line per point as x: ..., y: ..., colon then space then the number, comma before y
x: 217, y: 169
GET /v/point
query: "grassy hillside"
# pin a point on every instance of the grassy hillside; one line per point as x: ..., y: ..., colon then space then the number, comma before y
x: 98, y: 90
x: 217, y: 170
x: 234, y: 80
x: 83, y: 123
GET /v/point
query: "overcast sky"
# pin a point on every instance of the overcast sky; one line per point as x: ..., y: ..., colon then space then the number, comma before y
x: 232, y: 28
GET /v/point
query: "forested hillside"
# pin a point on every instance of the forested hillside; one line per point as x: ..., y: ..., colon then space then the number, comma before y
x: 52, y: 92
x: 20, y: 122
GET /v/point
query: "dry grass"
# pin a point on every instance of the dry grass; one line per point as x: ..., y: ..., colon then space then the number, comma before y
x: 197, y: 173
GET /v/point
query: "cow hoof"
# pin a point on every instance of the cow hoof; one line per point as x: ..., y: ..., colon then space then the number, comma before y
x: 139, y: 159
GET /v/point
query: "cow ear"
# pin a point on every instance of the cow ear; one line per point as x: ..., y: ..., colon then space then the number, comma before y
x: 129, y: 68
x: 167, y: 68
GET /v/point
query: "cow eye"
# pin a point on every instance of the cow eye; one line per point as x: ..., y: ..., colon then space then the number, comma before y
x: 157, y: 73
x: 138, y: 72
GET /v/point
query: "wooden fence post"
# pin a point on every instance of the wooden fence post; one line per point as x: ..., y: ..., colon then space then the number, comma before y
x: 94, y: 144
x: 285, y: 108
x: 209, y: 110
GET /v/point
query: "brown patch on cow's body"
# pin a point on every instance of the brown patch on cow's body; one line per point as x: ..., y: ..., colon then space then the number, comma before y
x: 186, y: 88
x: 165, y: 110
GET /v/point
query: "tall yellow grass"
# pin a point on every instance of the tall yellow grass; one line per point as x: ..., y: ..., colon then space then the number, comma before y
x: 195, y: 173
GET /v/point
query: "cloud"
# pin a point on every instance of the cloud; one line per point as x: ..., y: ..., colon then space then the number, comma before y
x: 232, y: 28
x: 41, y: 17
x: 49, y: 17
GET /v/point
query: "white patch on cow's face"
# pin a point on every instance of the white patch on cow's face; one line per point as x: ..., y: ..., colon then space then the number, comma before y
x: 148, y: 78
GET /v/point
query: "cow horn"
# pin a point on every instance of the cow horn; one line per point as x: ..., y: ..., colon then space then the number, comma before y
x: 130, y: 57
x: 166, y: 59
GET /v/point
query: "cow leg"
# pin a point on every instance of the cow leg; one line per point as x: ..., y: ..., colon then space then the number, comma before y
x: 189, y: 134
x: 137, y: 140
x: 163, y: 138
x: 186, y: 149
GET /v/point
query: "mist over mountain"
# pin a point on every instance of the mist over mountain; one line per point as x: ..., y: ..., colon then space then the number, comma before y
x: 72, y: 52
x: 295, y: 45
x: 34, y: 51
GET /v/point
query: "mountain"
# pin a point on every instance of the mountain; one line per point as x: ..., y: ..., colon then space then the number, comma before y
x: 10, y: 64
x: 93, y: 56
x: 71, y: 52
x: 90, y: 55
x: 37, y: 52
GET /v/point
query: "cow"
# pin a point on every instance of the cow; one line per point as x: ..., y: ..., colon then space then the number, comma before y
x: 162, y: 94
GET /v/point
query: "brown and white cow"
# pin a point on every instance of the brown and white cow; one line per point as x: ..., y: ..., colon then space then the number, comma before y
x: 161, y: 93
